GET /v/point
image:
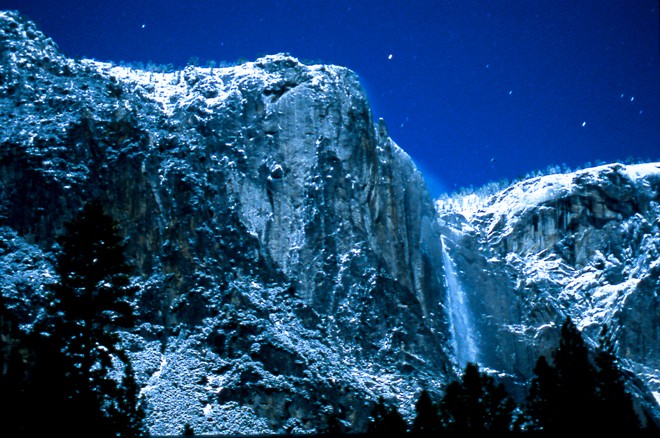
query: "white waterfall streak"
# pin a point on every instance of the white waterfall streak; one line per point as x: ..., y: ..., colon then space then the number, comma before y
x: 465, y: 346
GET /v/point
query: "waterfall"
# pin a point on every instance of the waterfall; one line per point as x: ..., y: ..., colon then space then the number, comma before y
x: 465, y: 346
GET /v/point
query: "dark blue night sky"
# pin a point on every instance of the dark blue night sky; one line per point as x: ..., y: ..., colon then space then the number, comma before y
x: 474, y: 91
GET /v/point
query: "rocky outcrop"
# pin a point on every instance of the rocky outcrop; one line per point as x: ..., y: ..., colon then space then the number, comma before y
x: 286, y: 250
x: 584, y: 245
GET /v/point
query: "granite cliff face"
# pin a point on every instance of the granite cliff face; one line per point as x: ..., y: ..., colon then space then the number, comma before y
x: 583, y: 244
x: 286, y: 250
x: 289, y: 260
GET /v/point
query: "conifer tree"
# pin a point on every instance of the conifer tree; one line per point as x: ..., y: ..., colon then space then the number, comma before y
x: 14, y: 373
x: 575, y: 380
x: 477, y: 403
x: 427, y: 419
x: 90, y: 302
x: 386, y: 420
x: 562, y: 395
x: 614, y: 403
x: 540, y: 412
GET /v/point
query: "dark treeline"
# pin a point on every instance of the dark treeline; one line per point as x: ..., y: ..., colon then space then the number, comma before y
x: 61, y: 377
x: 574, y: 390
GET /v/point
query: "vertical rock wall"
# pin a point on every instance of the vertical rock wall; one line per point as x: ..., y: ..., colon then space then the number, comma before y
x: 286, y: 250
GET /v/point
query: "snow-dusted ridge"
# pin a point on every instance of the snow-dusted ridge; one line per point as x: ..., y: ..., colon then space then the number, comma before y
x: 528, y: 194
x: 180, y: 88
x: 584, y: 244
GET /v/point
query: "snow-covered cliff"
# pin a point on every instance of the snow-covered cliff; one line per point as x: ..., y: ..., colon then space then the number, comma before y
x: 286, y: 250
x: 583, y: 244
x: 289, y: 260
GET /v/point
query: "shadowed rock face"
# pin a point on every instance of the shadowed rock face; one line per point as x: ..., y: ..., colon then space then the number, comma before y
x: 286, y: 250
x: 583, y: 245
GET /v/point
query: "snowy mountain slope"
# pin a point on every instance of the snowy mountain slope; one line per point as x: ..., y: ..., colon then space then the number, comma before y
x: 583, y: 244
x: 286, y: 251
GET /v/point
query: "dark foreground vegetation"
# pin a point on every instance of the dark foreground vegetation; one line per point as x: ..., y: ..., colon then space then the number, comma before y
x: 575, y: 391
x: 67, y: 374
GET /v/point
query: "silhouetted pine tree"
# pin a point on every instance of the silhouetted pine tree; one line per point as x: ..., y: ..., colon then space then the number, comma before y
x: 563, y: 395
x: 427, y: 418
x: 90, y: 302
x: 575, y: 380
x: 14, y: 374
x: 539, y: 411
x: 386, y: 420
x: 614, y: 403
x: 477, y: 403
x: 32, y: 381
